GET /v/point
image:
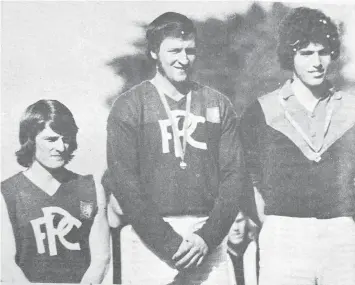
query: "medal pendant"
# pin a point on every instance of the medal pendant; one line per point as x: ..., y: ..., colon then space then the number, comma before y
x: 183, y: 165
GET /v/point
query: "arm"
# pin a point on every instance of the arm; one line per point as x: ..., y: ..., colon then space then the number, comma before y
x: 250, y: 126
x: 10, y: 271
x: 99, y: 242
x: 114, y: 213
x: 235, y: 189
x: 124, y: 181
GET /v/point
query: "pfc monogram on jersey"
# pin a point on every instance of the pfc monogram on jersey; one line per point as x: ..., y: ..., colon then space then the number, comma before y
x: 167, y: 135
x: 50, y: 232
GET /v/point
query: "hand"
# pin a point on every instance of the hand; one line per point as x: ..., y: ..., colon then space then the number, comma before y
x: 191, y: 252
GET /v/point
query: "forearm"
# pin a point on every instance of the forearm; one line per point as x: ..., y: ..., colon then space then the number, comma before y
x: 96, y: 271
x: 99, y: 251
x: 123, y: 179
x: 11, y: 273
x: 231, y: 175
x: 142, y: 214
x: 219, y: 222
x: 235, y: 189
x: 99, y: 241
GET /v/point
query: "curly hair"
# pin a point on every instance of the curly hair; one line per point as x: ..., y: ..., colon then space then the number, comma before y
x: 301, y: 27
x: 35, y: 119
x: 169, y: 24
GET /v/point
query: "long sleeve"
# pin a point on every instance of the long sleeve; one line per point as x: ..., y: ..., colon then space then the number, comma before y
x: 235, y: 190
x: 124, y: 181
x: 250, y: 126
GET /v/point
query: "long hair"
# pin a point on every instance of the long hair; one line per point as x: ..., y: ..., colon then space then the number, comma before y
x: 45, y: 112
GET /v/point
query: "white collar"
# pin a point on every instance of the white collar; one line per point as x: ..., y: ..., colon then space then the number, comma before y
x: 304, y: 95
x: 164, y: 85
x: 41, y: 177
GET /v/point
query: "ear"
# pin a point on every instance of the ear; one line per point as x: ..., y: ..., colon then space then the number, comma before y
x: 153, y: 55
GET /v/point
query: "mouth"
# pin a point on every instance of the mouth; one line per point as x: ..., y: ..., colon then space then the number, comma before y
x: 57, y: 156
x: 181, y: 69
x: 317, y: 74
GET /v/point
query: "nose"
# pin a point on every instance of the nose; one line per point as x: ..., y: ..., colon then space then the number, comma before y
x: 316, y: 60
x: 183, y: 58
x: 60, y: 145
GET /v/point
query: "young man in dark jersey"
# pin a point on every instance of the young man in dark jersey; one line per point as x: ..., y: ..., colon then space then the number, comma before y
x: 300, y: 150
x: 54, y: 225
x: 175, y: 165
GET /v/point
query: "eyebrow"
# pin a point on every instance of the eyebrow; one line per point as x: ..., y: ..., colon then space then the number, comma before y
x: 311, y: 50
x: 240, y: 219
x: 51, y: 137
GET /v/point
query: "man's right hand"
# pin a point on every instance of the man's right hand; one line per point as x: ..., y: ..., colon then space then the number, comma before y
x: 192, y: 252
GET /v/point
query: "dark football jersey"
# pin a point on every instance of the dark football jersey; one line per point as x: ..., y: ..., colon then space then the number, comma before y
x: 51, y: 232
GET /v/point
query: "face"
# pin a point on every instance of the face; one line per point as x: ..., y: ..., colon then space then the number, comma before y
x: 51, y: 148
x: 311, y: 64
x: 175, y: 58
x: 237, y: 230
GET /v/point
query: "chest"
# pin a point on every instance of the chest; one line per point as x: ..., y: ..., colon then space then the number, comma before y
x: 279, y: 151
x: 201, y: 125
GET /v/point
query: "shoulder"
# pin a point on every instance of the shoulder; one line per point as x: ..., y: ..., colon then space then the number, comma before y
x: 127, y: 105
x: 348, y: 98
x: 82, y: 185
x: 13, y: 182
x: 11, y: 187
x: 253, y: 114
x: 80, y: 180
x: 209, y: 93
x: 215, y: 99
x: 344, y: 115
x: 132, y: 96
x: 269, y: 99
x: 264, y: 107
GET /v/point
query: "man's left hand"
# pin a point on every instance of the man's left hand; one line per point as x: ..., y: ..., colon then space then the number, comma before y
x: 191, y: 252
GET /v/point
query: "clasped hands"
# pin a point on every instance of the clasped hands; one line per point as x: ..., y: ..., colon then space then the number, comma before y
x: 192, y: 251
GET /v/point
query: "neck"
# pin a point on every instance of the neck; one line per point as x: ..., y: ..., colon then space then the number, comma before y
x: 318, y: 91
x: 173, y: 89
x: 44, y: 178
x: 308, y: 96
x: 40, y: 172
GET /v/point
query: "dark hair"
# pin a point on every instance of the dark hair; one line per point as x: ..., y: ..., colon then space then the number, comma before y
x: 34, y: 120
x: 169, y: 24
x: 301, y: 27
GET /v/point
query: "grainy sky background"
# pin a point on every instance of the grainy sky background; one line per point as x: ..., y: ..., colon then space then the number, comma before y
x: 60, y: 50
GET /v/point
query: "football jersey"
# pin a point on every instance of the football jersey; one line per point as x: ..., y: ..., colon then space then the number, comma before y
x: 144, y: 164
x: 51, y: 232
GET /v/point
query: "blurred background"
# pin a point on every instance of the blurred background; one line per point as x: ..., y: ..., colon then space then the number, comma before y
x: 86, y: 53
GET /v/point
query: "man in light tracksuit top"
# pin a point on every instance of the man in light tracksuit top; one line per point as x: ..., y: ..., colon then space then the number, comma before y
x: 175, y: 165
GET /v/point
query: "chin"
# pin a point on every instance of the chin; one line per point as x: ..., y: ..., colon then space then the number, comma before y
x: 236, y: 241
x: 180, y: 79
x: 55, y: 165
x: 315, y: 82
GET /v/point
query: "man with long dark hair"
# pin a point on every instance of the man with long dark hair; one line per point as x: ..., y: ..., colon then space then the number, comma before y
x: 54, y: 225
